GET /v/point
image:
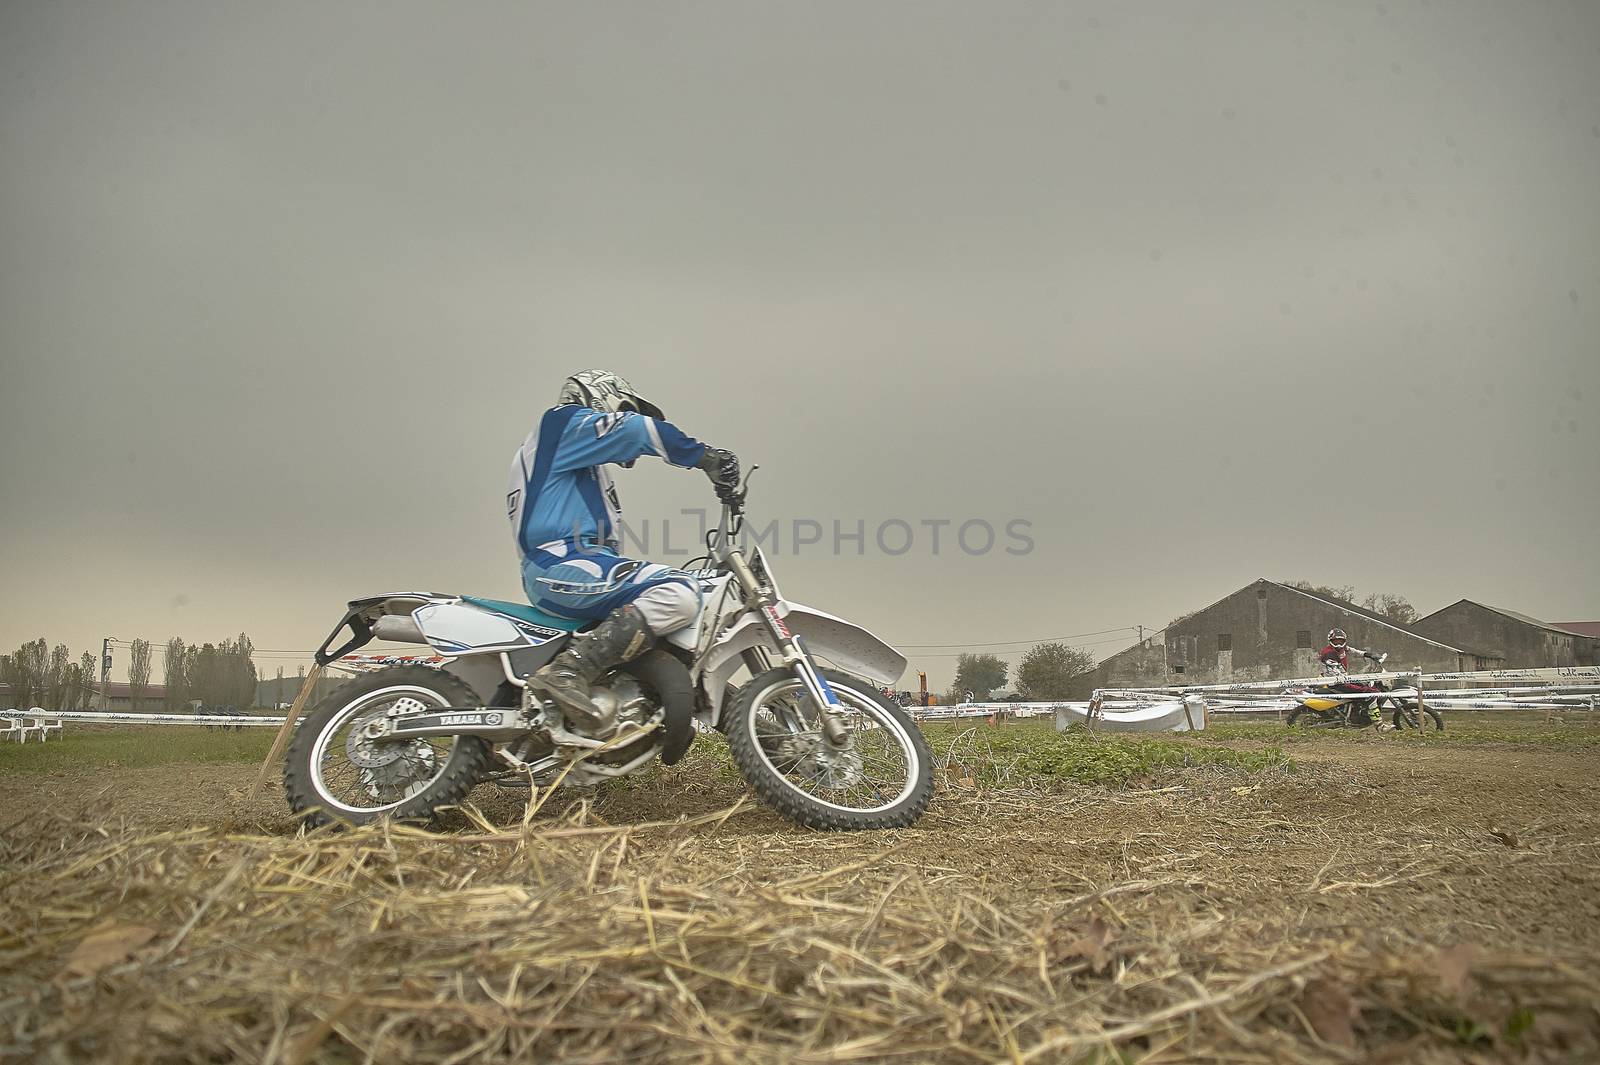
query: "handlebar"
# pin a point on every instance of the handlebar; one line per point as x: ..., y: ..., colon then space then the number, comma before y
x: 733, y: 506
x: 735, y: 500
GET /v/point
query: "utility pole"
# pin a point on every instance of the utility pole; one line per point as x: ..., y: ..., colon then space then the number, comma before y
x: 105, y: 673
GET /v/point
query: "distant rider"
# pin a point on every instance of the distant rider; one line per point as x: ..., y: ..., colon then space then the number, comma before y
x: 564, y: 514
x: 1335, y: 659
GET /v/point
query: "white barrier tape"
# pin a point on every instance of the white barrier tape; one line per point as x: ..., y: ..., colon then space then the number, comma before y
x: 1583, y: 674
x: 1278, y: 685
x: 1512, y: 695
x: 1469, y: 705
x: 157, y: 719
x: 1573, y: 676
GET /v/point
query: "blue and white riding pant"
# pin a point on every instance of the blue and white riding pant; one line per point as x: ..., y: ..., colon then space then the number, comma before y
x: 587, y: 581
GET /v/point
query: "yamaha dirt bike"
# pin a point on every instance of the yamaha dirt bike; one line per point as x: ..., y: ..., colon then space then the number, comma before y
x: 1326, y: 710
x: 823, y: 746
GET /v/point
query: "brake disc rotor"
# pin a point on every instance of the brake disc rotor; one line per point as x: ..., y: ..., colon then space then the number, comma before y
x: 400, y: 777
x: 366, y: 752
x: 839, y: 769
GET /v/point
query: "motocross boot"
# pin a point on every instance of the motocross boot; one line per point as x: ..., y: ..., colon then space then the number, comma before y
x: 621, y: 637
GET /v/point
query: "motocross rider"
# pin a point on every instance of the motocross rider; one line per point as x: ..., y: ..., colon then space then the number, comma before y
x: 1335, y: 659
x: 564, y: 514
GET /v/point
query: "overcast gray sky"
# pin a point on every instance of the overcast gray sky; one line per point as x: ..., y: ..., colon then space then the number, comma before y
x: 1204, y: 292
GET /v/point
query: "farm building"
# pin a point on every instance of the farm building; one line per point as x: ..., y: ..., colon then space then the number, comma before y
x: 281, y: 690
x: 1523, y: 642
x: 120, y: 698
x: 1268, y: 630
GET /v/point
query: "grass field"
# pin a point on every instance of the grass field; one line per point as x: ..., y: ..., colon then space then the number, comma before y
x: 111, y: 747
x: 1247, y: 894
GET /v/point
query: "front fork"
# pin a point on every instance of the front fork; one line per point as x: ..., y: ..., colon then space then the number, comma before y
x: 793, y: 652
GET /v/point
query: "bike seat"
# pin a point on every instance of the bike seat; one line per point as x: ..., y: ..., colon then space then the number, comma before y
x: 523, y: 612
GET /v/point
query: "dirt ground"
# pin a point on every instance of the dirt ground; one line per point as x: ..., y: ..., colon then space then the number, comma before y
x: 1382, y: 901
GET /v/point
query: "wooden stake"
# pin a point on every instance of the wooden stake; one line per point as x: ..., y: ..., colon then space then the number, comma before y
x: 281, y: 740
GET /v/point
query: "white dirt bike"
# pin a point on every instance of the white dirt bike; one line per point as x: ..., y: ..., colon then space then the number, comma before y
x: 823, y: 746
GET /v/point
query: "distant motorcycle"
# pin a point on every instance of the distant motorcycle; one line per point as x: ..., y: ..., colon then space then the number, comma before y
x: 1319, y: 711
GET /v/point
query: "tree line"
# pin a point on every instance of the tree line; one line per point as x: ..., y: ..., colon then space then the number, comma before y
x: 212, y: 674
x: 1045, y: 673
x: 219, y: 674
x: 1396, y: 608
x: 41, y: 675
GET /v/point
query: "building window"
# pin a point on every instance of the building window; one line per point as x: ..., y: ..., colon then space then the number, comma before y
x: 1261, y: 593
x: 1224, y: 641
x: 1302, y: 638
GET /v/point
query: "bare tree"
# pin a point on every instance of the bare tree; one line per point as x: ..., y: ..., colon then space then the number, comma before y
x: 1396, y: 608
x: 1344, y: 592
x: 88, y: 688
x: 56, y: 679
x: 27, y: 671
x: 176, y: 675
x: 138, y: 672
x: 242, y: 674
x: 14, y: 674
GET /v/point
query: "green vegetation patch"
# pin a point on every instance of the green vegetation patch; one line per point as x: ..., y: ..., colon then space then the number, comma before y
x: 141, y: 745
x: 1037, y: 756
x: 1510, y: 729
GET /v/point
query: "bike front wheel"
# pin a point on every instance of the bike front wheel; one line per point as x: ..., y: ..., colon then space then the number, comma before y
x: 883, y: 778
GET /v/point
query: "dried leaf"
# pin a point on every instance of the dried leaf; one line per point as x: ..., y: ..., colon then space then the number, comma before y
x: 1090, y: 946
x: 105, y: 946
x: 1331, y: 1011
x: 1454, y: 966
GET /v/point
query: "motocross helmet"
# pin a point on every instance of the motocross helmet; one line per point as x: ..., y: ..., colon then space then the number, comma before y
x: 1337, y: 638
x: 606, y: 392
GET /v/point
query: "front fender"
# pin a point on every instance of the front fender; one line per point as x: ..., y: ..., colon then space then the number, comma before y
x: 842, y: 644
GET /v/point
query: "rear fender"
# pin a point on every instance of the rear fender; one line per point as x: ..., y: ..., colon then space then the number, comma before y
x: 372, y: 617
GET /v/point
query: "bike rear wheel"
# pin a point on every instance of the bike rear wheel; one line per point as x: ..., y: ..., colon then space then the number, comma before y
x: 333, y: 774
x: 1406, y: 716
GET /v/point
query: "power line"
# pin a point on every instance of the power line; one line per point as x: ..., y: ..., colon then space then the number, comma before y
x: 1008, y: 654
x: 1008, y: 643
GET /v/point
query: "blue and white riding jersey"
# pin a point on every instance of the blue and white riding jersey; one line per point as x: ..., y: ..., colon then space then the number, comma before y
x: 560, y: 491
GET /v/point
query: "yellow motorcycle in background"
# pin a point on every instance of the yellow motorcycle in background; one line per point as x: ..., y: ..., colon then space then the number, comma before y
x: 1323, y: 711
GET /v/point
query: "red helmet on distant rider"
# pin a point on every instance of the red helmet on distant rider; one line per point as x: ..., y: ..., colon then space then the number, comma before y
x: 1337, y: 638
